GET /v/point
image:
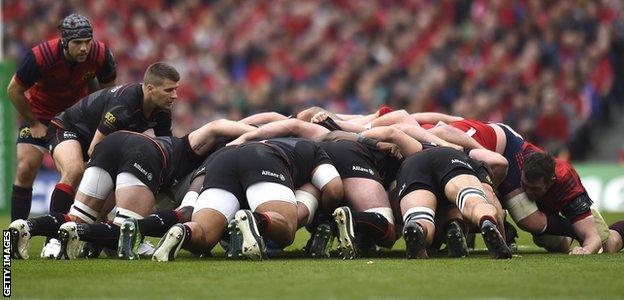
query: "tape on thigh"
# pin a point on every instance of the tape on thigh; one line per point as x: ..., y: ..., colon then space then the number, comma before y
x: 262, y: 192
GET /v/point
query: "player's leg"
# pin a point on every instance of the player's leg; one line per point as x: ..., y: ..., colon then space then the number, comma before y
x: 370, y: 215
x: 466, y: 192
x: 272, y: 215
x: 214, y: 208
x: 418, y: 209
x: 69, y: 162
x: 616, y: 234
x: 29, y: 157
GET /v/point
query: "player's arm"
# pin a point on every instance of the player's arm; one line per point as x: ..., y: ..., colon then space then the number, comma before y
x: 578, y: 211
x: 263, y: 118
x: 98, y: 137
x: 434, y: 117
x: 114, y: 119
x: 290, y: 127
x: 497, y: 163
x: 407, y: 145
x: 203, y: 139
x: 27, y: 74
x: 455, y: 136
x: 107, y: 74
x: 424, y: 135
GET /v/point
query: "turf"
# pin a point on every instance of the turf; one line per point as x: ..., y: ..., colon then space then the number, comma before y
x: 530, y: 274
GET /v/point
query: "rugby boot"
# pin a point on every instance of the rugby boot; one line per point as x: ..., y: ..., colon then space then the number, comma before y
x: 346, y: 234
x: 455, y: 240
x: 51, y: 248
x: 90, y: 250
x: 511, y: 233
x: 253, y: 246
x: 494, y: 241
x: 20, y: 239
x: 170, y: 244
x: 70, y: 244
x: 130, y: 239
x: 415, y: 241
x: 320, y: 241
x: 234, y: 248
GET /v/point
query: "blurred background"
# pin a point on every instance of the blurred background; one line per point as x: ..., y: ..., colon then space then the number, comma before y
x: 553, y: 70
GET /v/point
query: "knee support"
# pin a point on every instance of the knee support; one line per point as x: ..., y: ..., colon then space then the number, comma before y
x: 386, y: 212
x: 83, y: 212
x: 123, y: 214
x: 466, y: 193
x: 419, y: 213
x: 309, y: 201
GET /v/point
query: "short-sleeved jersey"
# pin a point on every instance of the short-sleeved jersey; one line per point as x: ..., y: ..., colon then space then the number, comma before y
x: 109, y: 110
x: 481, y: 132
x: 301, y: 156
x: 53, y: 83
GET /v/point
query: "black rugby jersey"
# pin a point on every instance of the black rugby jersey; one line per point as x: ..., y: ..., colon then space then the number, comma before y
x: 301, y: 156
x: 109, y: 110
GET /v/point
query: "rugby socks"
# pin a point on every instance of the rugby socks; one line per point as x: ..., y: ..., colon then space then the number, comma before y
x: 262, y: 221
x: 103, y: 234
x: 188, y: 233
x: 557, y: 225
x: 21, y: 199
x: 374, y: 226
x: 47, y: 225
x: 618, y: 227
x: 62, y: 198
x: 157, y: 224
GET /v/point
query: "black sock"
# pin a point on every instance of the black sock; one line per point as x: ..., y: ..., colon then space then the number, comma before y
x: 263, y: 221
x: 21, y: 199
x: 158, y: 223
x: 189, y: 236
x: 62, y: 198
x: 488, y: 218
x: 374, y: 226
x: 618, y: 227
x: 557, y: 225
x: 103, y: 234
x: 47, y: 225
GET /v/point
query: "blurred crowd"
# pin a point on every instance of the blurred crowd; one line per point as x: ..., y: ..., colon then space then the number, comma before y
x: 550, y: 69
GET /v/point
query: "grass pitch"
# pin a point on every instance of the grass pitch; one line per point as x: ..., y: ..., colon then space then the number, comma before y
x: 530, y: 274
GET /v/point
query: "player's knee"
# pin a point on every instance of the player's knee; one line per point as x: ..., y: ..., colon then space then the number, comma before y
x: 25, y: 173
x: 333, y: 193
x: 73, y: 173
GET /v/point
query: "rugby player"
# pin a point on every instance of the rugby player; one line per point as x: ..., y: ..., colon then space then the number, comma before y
x: 136, y: 174
x: 261, y: 178
x: 50, y: 78
x: 434, y: 176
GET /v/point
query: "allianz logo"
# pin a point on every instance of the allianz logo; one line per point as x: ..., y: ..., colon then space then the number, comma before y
x: 457, y: 161
x: 362, y: 169
x: 269, y: 173
x: 147, y: 174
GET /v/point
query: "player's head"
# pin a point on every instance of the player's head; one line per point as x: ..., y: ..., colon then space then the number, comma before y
x: 538, y: 174
x: 76, y: 37
x: 161, y: 84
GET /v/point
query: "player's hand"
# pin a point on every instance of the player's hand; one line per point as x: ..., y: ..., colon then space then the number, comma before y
x: 319, y: 117
x: 390, y: 148
x: 38, y: 130
x: 579, y: 251
x: 236, y: 142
